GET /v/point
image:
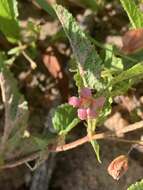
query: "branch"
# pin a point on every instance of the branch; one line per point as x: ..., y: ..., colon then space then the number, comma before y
x: 105, y: 135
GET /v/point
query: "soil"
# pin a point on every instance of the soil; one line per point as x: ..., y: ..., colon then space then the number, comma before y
x: 78, y: 169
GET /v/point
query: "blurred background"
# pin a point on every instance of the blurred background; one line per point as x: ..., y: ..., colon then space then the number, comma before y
x: 51, y: 83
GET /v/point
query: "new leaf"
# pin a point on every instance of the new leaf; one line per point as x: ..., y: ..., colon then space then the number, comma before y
x: 64, y: 119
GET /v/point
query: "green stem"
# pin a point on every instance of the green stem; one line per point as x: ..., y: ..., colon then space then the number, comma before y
x: 91, y: 126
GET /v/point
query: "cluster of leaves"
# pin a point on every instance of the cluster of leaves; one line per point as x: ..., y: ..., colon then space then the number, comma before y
x: 105, y: 73
x: 16, y: 139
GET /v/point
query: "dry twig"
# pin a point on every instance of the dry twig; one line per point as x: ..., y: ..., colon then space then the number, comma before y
x: 105, y: 135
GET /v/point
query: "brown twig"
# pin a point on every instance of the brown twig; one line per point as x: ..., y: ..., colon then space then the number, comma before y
x: 105, y: 135
x: 81, y: 141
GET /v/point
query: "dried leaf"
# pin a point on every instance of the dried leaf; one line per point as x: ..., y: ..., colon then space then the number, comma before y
x: 132, y: 41
x: 118, y: 167
x: 52, y: 61
x: 52, y: 64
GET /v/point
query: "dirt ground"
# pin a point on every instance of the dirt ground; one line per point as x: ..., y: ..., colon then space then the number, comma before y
x: 78, y: 169
x: 75, y: 169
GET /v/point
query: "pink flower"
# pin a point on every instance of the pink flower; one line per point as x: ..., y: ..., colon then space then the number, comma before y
x: 74, y: 101
x: 99, y: 102
x: 88, y: 106
x: 85, y: 92
x: 91, y: 113
x: 82, y: 113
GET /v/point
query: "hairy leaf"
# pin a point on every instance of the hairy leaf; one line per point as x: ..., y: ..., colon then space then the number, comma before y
x: 88, y: 61
x: 64, y: 119
x: 133, y: 12
x: 8, y: 20
x: 31, y: 144
x: 111, y: 62
x: 136, y: 186
x: 16, y: 109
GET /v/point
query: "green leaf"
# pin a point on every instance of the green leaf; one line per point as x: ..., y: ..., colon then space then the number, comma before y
x: 78, y: 80
x: 47, y: 7
x: 92, y: 4
x: 72, y: 65
x: 122, y: 87
x: 91, y: 126
x: 16, y: 109
x: 133, y: 12
x: 124, y: 81
x: 111, y: 62
x: 88, y: 61
x: 96, y: 148
x: 106, y: 110
x: 136, y: 186
x: 8, y: 20
x: 132, y: 73
x: 64, y: 119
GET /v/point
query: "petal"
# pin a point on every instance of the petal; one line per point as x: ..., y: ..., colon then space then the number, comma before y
x: 85, y: 92
x: 99, y: 102
x: 91, y: 113
x: 74, y: 101
x: 82, y: 113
